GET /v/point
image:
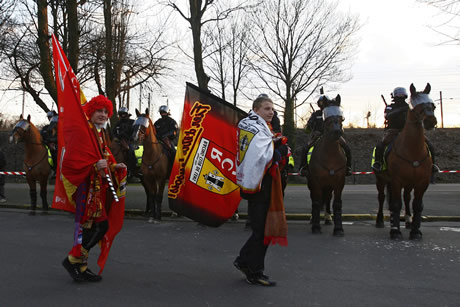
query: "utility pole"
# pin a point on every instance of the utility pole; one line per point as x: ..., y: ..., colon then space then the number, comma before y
x: 140, y: 98
x: 23, y: 101
x: 440, y: 102
x: 149, y: 104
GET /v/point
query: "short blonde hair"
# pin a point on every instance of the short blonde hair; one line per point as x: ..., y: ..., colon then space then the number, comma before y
x: 259, y: 100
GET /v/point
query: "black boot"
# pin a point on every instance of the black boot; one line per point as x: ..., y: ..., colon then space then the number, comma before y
x: 303, y: 169
x: 378, y: 158
x: 73, y: 270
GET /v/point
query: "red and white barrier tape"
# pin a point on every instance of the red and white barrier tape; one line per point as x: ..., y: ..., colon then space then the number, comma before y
x: 290, y: 174
x: 12, y: 173
x: 368, y: 173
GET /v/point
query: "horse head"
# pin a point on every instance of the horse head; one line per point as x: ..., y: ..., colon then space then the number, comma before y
x: 141, y: 127
x: 20, y: 130
x: 422, y: 106
x: 333, y: 118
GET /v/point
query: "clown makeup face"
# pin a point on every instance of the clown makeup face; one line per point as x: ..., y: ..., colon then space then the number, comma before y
x: 100, y: 117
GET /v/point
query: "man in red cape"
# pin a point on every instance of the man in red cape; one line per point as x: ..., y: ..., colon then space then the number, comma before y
x: 84, y: 184
x: 93, y: 197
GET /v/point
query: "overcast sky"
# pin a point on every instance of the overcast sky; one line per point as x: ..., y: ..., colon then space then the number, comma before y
x: 396, y: 48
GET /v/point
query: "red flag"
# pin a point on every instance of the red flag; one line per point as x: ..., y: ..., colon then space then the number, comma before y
x: 78, y: 150
x: 203, y: 185
x: 77, y: 147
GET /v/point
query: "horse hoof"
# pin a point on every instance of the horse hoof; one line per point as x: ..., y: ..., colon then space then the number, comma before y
x: 395, y: 234
x: 316, y: 230
x: 408, y: 225
x: 327, y: 222
x: 32, y: 212
x: 339, y: 233
x: 415, y: 235
x: 380, y: 224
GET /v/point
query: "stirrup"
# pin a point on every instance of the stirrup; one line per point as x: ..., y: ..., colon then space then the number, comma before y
x: 435, y: 169
x: 377, y: 166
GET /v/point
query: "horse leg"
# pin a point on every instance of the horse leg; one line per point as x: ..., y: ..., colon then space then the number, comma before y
x: 33, y: 195
x: 158, y: 201
x: 407, y: 215
x: 395, y: 209
x: 337, y: 208
x: 327, y: 196
x: 147, y: 197
x: 379, y: 223
x: 43, y: 195
x: 338, y: 228
x: 315, y: 216
x: 417, y: 206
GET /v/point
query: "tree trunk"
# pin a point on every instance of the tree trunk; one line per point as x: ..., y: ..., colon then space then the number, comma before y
x: 44, y: 47
x: 74, y: 34
x: 109, y: 72
x: 288, y: 125
x: 195, y: 23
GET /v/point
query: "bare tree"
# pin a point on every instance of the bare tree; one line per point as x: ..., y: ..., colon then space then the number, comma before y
x: 123, y: 59
x: 195, y: 17
x: 300, y: 45
x: 6, y: 10
x: 229, y: 61
x: 450, y: 26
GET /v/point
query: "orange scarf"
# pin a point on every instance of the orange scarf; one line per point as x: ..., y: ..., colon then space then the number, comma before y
x: 275, y: 224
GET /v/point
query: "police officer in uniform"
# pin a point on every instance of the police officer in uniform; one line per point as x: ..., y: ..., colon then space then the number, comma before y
x: 48, y: 138
x: 315, y: 126
x: 166, y: 129
x: 122, y: 132
x: 395, y: 117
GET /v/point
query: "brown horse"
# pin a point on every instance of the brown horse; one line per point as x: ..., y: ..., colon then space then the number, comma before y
x: 409, y: 162
x: 35, y: 162
x: 154, y: 166
x: 327, y: 168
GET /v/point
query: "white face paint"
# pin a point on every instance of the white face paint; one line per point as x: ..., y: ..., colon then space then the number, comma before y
x: 332, y: 111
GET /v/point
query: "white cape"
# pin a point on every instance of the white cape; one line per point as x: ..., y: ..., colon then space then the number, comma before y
x: 255, y: 152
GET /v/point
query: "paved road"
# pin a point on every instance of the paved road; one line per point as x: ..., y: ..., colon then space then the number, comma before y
x: 439, y: 200
x: 177, y: 263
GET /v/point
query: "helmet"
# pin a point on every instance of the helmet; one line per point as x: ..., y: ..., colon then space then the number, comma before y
x: 322, y: 101
x: 164, y: 109
x: 123, y: 110
x: 399, y: 92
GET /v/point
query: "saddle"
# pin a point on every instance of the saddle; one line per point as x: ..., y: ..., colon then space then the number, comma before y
x: 387, y: 151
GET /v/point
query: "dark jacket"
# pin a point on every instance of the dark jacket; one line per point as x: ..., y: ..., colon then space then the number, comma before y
x: 166, y: 127
x: 315, y: 122
x: 123, y: 129
x: 395, y: 115
x: 47, y: 135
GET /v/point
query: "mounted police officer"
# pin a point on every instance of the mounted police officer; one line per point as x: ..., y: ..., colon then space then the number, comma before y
x: 122, y: 133
x: 166, y: 130
x: 315, y: 126
x: 395, y: 119
x: 49, y: 137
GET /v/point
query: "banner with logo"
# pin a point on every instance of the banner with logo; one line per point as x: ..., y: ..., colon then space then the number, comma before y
x: 203, y: 185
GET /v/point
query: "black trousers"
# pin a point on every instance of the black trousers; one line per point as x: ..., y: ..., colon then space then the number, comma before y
x: 253, y: 252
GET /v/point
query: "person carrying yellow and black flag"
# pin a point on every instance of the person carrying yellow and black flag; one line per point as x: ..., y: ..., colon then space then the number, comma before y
x: 89, y: 182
